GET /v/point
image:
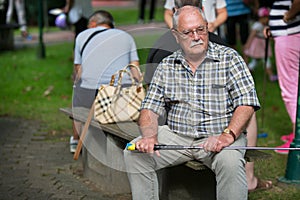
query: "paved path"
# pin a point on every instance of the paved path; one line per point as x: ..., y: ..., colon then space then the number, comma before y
x: 52, y: 37
x: 68, y: 35
x: 33, y: 168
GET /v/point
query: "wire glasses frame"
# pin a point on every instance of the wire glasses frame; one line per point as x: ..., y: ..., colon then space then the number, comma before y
x: 201, y: 30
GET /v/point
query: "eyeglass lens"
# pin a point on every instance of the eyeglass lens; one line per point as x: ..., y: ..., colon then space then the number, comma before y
x: 201, y: 30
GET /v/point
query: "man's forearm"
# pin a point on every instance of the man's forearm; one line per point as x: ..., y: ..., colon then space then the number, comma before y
x: 240, y: 119
x: 291, y: 14
x: 221, y: 17
x: 168, y: 18
x: 69, y: 4
x: 148, y: 123
x: 76, y: 72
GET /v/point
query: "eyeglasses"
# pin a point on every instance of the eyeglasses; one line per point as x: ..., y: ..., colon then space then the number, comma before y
x: 201, y: 30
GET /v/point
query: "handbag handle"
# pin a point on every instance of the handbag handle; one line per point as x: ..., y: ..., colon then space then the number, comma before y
x: 120, y: 76
x: 133, y: 82
x: 139, y: 71
x: 140, y: 82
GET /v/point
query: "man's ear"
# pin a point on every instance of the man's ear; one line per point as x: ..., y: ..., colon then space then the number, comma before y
x: 175, y: 35
x: 92, y: 24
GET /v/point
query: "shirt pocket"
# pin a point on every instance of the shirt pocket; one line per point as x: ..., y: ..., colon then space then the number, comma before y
x: 217, y: 99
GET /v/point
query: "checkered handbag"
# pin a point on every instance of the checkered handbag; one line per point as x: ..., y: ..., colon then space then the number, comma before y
x: 118, y: 103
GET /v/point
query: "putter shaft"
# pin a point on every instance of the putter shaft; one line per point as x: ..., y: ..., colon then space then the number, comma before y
x: 132, y: 147
x: 179, y: 147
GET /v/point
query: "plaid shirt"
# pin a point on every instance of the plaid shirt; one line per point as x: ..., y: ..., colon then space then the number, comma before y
x: 203, y: 102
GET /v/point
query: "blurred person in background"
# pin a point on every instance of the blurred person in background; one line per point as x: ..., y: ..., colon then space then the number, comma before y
x: 142, y: 10
x: 238, y: 19
x: 19, y: 5
x: 78, y: 12
x: 214, y: 10
x: 256, y: 44
x: 284, y: 27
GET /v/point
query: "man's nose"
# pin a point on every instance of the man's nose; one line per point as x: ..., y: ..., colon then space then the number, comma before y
x: 196, y: 36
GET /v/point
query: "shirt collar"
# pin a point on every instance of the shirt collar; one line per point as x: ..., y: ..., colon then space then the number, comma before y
x: 213, y: 52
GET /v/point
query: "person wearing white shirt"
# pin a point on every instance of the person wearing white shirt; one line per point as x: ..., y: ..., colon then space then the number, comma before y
x: 215, y: 13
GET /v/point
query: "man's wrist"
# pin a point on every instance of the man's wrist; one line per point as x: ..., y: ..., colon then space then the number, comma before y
x: 149, y: 135
x: 228, y: 131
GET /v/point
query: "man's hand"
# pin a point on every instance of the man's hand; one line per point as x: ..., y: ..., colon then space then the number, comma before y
x: 267, y: 32
x: 217, y: 143
x: 211, y: 27
x: 146, y: 144
x: 292, y: 12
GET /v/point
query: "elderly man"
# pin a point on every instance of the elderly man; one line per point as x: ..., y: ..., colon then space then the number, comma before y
x: 210, y: 97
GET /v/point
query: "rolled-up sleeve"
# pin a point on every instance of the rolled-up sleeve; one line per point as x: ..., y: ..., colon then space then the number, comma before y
x: 154, y: 99
x: 241, y: 85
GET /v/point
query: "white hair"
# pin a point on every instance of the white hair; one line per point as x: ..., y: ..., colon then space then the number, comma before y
x: 178, y: 11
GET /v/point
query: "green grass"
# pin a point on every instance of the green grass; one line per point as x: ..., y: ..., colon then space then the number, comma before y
x: 130, y: 16
x: 24, y: 79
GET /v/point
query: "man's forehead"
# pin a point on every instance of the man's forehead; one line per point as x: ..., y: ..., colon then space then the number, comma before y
x: 190, y: 19
x: 190, y: 13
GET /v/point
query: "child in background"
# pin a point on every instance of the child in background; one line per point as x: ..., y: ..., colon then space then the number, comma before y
x: 256, y: 44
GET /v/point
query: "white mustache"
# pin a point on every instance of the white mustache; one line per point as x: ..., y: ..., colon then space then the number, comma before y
x: 198, y: 42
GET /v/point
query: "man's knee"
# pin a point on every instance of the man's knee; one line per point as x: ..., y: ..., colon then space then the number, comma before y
x: 230, y: 160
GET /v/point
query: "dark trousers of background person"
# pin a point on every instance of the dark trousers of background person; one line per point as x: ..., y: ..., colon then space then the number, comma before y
x: 80, y: 25
x: 243, y: 22
x: 3, y: 10
x: 143, y: 8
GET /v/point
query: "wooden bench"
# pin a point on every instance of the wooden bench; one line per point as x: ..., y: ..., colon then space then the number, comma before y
x: 103, y: 162
x: 7, y: 36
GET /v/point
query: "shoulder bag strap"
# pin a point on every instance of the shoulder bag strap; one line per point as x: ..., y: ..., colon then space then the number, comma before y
x: 89, y: 38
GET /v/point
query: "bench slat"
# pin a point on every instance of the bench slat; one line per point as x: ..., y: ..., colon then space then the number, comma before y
x: 196, y: 165
x: 256, y: 155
